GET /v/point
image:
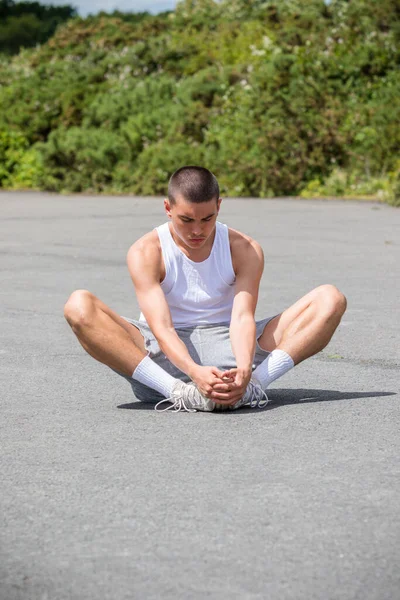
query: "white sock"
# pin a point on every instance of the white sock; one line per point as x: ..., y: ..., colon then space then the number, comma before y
x: 274, y: 366
x: 152, y: 375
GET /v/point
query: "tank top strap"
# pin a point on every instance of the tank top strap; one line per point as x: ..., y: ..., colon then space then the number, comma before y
x: 223, y: 252
x: 168, y: 250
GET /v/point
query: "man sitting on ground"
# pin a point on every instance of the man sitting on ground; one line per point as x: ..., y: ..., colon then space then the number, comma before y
x: 196, y: 343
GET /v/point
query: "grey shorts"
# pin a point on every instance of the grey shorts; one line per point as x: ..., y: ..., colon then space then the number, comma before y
x: 207, y: 345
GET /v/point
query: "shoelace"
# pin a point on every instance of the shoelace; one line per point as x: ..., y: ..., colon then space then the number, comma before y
x: 257, y: 391
x: 178, y: 403
x: 258, y: 398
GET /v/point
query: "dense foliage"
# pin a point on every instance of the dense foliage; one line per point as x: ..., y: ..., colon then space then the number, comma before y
x: 26, y: 24
x: 274, y: 96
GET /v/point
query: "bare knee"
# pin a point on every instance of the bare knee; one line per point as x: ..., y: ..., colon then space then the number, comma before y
x: 79, y: 308
x: 332, y: 301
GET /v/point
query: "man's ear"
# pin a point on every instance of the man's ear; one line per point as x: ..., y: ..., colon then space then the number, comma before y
x: 219, y: 203
x: 167, y: 206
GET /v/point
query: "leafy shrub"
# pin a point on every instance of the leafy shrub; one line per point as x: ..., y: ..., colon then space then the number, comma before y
x: 76, y: 160
x: 298, y: 96
x: 155, y: 165
x: 353, y: 185
x: 25, y: 24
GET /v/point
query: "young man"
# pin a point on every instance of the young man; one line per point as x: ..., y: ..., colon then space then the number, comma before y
x: 196, y: 343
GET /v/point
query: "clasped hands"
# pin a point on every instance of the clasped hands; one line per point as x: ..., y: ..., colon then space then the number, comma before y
x: 223, y: 387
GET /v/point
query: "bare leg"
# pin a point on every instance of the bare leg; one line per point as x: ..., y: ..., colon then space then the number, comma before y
x: 306, y: 327
x: 103, y: 334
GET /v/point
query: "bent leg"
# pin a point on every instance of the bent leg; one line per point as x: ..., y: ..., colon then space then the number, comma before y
x: 307, y: 326
x: 103, y: 333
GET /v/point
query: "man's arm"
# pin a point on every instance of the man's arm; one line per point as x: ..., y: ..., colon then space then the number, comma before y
x: 144, y: 265
x: 248, y: 261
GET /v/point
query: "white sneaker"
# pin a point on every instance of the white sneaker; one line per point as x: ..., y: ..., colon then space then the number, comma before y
x: 186, y: 397
x: 254, y: 396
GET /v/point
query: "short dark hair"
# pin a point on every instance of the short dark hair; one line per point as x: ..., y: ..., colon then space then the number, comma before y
x: 195, y: 184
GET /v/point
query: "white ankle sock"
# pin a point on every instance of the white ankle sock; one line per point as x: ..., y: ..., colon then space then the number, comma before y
x: 274, y: 366
x: 149, y: 373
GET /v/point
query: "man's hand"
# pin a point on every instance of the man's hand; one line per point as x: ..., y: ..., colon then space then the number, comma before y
x: 207, y: 377
x: 233, y: 388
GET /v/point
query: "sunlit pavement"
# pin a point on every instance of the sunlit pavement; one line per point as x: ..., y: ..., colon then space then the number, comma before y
x: 104, y: 498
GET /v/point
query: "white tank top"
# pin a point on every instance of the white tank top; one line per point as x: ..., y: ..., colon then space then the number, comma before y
x: 197, y: 293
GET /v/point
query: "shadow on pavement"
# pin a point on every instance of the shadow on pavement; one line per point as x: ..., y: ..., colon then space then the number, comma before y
x: 281, y: 397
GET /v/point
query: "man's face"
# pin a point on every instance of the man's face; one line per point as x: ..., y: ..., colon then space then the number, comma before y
x: 193, y: 223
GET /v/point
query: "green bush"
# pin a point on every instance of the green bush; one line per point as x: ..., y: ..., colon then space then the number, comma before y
x: 25, y: 24
x: 79, y: 160
x: 356, y: 185
x: 287, y: 98
x: 158, y: 161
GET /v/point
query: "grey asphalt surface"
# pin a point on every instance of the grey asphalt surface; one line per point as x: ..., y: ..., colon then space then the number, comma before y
x: 104, y: 498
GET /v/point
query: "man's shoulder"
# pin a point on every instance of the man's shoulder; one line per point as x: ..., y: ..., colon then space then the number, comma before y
x: 244, y: 249
x: 150, y: 242
x: 145, y: 253
x: 240, y: 241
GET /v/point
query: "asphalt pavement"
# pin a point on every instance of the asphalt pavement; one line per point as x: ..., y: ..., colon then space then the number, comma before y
x: 103, y: 498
